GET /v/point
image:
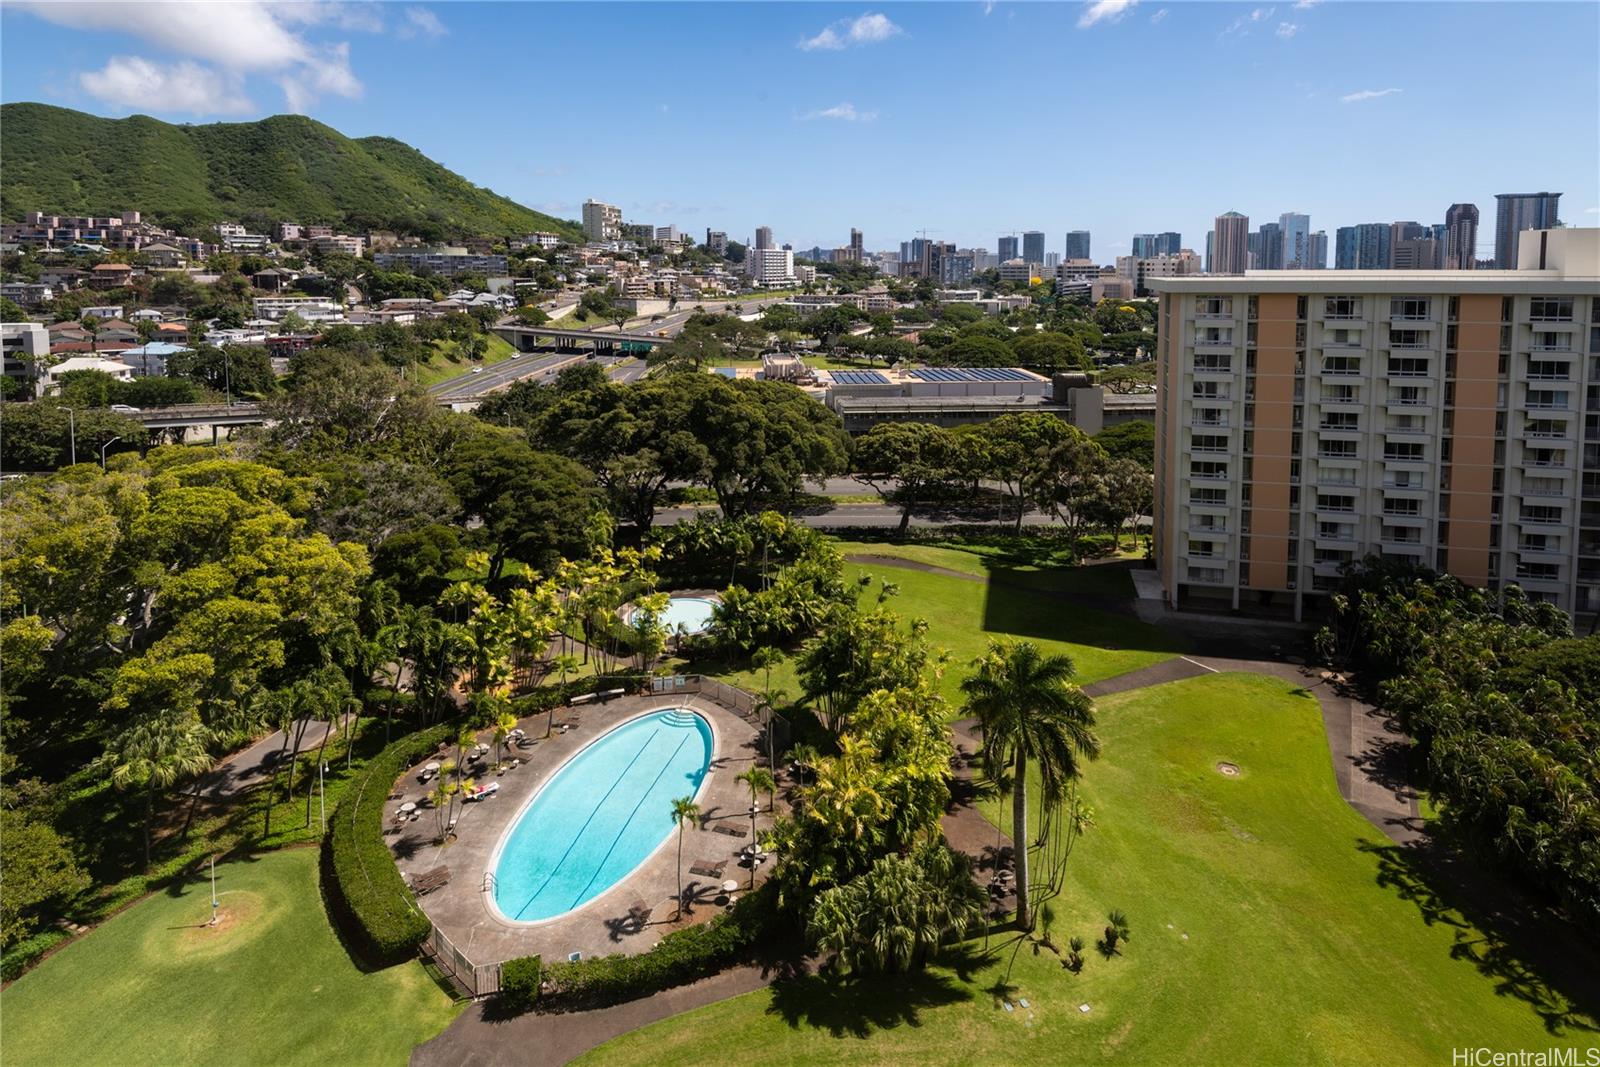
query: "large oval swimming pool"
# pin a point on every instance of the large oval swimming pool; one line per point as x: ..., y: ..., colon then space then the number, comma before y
x: 602, y: 814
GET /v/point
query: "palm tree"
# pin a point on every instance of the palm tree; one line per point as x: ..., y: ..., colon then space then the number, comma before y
x: 566, y: 663
x: 684, y: 812
x: 1030, y: 710
x: 503, y: 725
x: 154, y: 753
x: 759, y: 779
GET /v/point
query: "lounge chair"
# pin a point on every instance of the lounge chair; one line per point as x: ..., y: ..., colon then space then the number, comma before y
x: 707, y: 868
x: 423, y: 884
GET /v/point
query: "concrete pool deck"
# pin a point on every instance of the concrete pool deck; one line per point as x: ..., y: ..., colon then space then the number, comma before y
x: 632, y: 915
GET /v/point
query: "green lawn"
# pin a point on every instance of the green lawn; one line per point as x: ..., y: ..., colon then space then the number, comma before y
x: 1271, y: 924
x: 962, y: 615
x: 440, y: 367
x: 271, y: 986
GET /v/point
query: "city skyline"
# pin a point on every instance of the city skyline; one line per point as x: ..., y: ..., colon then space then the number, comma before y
x: 356, y: 67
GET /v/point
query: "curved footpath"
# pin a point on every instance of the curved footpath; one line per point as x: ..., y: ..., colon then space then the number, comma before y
x: 1367, y: 750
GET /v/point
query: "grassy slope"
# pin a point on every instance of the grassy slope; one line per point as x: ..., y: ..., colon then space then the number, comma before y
x: 151, y: 988
x: 440, y: 367
x: 962, y: 615
x: 1306, y: 942
x: 284, y: 167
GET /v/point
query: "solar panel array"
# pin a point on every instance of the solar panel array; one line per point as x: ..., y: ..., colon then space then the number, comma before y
x: 971, y: 374
x: 859, y: 377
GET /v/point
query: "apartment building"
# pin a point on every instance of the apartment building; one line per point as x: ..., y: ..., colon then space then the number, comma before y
x: 769, y: 267
x: 1308, y: 419
x: 601, y: 221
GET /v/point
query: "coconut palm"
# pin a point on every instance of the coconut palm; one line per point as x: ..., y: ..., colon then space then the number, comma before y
x: 1030, y: 711
x: 759, y: 779
x: 684, y: 812
x: 154, y: 753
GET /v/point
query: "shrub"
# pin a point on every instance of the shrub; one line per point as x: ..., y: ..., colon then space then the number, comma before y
x: 680, y: 957
x: 362, y: 884
x: 519, y: 983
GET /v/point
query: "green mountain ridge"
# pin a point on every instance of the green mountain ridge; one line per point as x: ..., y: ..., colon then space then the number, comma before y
x: 284, y: 168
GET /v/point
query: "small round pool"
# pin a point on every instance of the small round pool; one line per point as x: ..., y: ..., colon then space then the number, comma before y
x: 692, y: 613
x: 601, y: 815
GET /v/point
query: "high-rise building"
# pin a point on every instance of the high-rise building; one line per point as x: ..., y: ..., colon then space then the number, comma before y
x: 858, y: 249
x: 1033, y: 246
x: 1362, y: 247
x: 764, y: 237
x: 1231, y: 250
x: 1078, y: 245
x: 1317, y: 258
x: 1296, y: 250
x: 1515, y: 212
x: 601, y: 221
x: 1414, y: 253
x: 1007, y: 248
x: 1144, y: 245
x: 1430, y: 417
x: 1211, y: 241
x: 717, y: 242
x: 769, y: 266
x: 1404, y: 231
x: 1052, y: 260
x: 1269, y: 247
x: 1460, y: 237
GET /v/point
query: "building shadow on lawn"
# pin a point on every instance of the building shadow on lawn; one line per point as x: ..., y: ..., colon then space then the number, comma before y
x: 1014, y: 604
x: 1527, y: 949
x: 845, y: 1007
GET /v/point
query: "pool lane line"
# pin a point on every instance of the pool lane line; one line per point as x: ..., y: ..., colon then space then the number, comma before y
x: 592, y: 812
x: 665, y: 764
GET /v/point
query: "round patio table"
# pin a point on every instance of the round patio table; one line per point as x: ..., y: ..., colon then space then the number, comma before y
x: 408, y: 807
x: 432, y: 767
x: 729, y: 886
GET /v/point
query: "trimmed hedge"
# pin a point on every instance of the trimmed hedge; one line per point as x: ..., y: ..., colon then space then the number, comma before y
x: 361, y: 881
x: 681, y: 957
x: 519, y: 983
x: 555, y: 694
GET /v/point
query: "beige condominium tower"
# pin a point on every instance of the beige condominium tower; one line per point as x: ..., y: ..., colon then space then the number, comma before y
x: 1308, y: 419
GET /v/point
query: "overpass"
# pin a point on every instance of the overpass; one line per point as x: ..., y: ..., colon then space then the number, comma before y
x: 526, y: 338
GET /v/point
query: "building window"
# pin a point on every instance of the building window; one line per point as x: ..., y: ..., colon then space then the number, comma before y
x: 1550, y: 309
x: 1409, y: 307
x: 1342, y: 307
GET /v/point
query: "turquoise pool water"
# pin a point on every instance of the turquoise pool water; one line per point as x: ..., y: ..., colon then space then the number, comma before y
x: 602, y: 814
x: 693, y: 613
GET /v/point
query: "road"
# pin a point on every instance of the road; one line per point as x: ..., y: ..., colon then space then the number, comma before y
x: 876, y: 515
x: 470, y: 385
x: 502, y: 374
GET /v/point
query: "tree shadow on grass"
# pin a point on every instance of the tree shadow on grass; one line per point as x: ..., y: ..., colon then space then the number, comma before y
x: 1015, y: 604
x: 1530, y: 952
x: 858, y: 1007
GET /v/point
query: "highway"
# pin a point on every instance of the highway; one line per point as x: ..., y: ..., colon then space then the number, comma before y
x: 502, y: 374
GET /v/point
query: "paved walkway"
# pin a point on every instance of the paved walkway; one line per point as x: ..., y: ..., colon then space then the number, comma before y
x: 478, y: 1039
x: 254, y: 764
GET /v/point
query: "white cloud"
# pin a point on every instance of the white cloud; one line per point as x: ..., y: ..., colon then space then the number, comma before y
x: 1104, y: 11
x: 988, y: 8
x: 1242, y: 24
x: 1366, y: 94
x: 361, y: 17
x: 1158, y: 16
x: 1591, y: 211
x: 845, y: 112
x: 1287, y: 30
x: 421, y: 21
x: 137, y: 84
x: 237, y: 39
x: 1305, y: 5
x: 867, y: 29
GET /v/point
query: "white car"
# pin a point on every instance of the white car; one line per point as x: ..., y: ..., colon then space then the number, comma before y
x: 124, y: 409
x: 477, y: 370
x: 516, y: 355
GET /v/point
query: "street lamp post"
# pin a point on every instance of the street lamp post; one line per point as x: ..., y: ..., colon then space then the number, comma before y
x: 227, y: 377
x: 103, y: 448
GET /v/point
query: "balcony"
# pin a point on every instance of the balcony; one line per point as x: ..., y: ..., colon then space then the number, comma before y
x: 1564, y: 376
x: 1196, y: 476
x: 1218, y: 531
x: 1213, y: 342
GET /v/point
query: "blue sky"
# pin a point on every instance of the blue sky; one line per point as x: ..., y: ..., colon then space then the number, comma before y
x: 966, y: 119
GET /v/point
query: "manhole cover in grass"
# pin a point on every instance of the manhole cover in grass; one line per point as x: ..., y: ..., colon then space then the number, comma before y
x: 1228, y: 770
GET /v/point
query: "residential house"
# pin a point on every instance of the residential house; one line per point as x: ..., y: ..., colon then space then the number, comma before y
x: 162, y: 254
x: 110, y: 276
x: 52, y: 375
